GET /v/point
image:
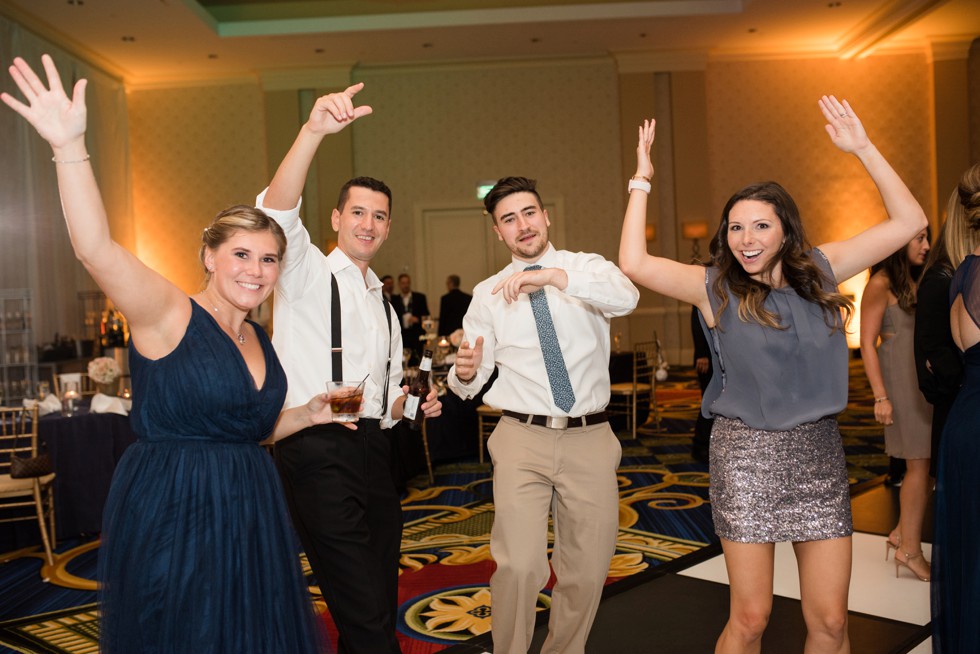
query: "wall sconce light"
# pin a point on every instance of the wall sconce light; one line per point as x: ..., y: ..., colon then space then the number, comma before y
x: 651, y: 233
x: 695, y: 232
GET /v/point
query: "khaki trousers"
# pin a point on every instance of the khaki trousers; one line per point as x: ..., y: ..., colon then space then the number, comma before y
x: 572, y: 472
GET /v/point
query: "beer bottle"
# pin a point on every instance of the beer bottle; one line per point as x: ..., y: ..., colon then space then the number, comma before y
x: 417, y: 392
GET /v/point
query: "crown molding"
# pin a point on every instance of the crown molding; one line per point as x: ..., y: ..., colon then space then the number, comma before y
x: 889, y: 19
x: 659, y: 62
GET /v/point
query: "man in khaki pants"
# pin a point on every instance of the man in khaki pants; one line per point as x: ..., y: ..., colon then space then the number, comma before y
x: 543, y: 321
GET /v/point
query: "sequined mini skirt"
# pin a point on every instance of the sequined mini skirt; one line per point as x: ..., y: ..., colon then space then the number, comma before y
x: 775, y: 486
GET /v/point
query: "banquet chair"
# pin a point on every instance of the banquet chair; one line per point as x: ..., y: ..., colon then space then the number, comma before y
x: 640, y: 392
x: 18, y: 436
x: 428, y: 456
x: 85, y: 384
x: 487, y: 418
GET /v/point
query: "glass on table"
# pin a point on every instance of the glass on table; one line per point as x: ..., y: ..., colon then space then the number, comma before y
x: 70, y: 399
x: 43, y: 390
x: 345, y: 399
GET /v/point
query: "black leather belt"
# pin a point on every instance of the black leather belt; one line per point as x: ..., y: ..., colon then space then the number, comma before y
x: 561, y: 422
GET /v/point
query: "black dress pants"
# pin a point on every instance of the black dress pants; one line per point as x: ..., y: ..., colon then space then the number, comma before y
x: 346, y: 511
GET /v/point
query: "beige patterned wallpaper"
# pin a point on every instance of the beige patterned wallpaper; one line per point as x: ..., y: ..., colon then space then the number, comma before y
x: 194, y: 151
x: 763, y: 123
x: 437, y: 131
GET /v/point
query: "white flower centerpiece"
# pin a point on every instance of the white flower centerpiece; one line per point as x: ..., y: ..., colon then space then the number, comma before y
x: 103, y: 371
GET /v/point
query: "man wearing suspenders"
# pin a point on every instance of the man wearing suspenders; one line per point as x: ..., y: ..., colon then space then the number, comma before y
x: 332, y: 322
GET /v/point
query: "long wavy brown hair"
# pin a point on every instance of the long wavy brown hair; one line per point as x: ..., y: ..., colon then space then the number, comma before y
x: 901, y: 276
x: 798, y: 268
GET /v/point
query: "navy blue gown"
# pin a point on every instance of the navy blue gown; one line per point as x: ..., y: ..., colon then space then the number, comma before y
x: 955, y: 567
x: 197, y: 553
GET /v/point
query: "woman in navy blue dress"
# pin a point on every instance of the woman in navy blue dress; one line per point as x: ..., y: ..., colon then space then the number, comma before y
x: 197, y: 551
x: 955, y: 574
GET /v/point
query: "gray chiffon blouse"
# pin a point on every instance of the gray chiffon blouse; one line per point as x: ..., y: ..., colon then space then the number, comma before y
x: 776, y: 379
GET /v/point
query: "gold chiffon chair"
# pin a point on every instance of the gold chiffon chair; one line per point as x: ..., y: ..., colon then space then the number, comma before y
x: 18, y: 437
x: 628, y: 398
x: 85, y: 384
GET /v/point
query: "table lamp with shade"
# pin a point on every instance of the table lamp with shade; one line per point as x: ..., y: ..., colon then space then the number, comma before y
x: 695, y: 231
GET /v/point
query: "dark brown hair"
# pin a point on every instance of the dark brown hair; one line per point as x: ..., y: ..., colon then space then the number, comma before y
x: 369, y: 183
x: 901, y: 275
x: 798, y: 269
x: 508, y: 186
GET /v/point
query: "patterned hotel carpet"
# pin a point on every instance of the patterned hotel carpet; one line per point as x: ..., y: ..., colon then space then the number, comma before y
x: 446, y: 565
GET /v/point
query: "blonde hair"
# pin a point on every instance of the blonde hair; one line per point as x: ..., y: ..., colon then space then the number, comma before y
x: 239, y: 218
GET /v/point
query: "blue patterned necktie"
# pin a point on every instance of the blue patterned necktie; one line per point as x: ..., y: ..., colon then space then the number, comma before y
x: 554, y: 362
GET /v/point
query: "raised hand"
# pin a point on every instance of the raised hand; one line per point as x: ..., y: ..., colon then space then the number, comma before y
x: 333, y: 112
x: 843, y: 125
x: 468, y: 359
x: 59, y: 120
x: 644, y: 166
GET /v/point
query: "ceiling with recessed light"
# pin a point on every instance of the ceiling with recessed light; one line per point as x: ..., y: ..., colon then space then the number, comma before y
x: 146, y: 41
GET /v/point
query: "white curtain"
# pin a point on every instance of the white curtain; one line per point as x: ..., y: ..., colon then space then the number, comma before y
x: 35, y: 252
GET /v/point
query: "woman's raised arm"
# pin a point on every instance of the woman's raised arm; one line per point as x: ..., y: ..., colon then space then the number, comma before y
x: 677, y: 280
x: 905, y: 216
x: 157, y: 310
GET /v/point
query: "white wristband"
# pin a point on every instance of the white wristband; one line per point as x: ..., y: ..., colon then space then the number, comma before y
x: 638, y: 184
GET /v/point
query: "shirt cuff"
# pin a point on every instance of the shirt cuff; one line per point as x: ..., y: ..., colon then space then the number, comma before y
x: 578, y: 284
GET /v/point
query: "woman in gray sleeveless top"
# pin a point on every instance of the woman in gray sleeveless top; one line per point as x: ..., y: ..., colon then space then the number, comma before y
x: 771, y: 310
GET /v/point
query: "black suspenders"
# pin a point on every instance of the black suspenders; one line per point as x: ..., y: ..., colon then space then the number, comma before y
x: 336, y: 342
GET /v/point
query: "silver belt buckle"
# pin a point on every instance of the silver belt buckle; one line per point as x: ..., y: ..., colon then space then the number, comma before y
x: 561, y: 422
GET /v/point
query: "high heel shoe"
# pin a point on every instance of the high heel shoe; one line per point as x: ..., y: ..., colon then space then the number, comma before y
x: 909, y: 557
x: 892, y: 545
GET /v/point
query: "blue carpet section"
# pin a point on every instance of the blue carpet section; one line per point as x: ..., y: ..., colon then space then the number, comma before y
x: 25, y: 594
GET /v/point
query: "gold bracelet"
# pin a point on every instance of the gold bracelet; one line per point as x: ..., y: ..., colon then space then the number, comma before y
x: 643, y: 177
x: 87, y: 157
x: 880, y: 399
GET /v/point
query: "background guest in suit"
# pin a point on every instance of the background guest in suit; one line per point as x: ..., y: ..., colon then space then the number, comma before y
x: 387, y: 287
x: 702, y: 365
x: 412, y: 307
x: 452, y: 307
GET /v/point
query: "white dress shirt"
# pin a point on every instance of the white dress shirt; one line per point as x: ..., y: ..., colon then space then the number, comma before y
x: 301, y: 333
x: 597, y: 291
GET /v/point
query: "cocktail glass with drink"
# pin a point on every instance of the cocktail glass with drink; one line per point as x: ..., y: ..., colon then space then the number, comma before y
x: 345, y: 399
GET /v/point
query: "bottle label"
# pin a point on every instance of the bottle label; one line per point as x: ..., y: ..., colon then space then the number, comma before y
x: 411, y: 407
x: 425, y: 365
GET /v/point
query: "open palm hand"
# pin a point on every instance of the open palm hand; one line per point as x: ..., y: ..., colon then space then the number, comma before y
x: 843, y: 125
x: 59, y: 120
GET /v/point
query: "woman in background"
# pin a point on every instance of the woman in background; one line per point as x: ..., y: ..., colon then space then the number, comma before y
x: 955, y: 573
x: 887, y: 313
x: 197, y: 552
x: 772, y: 312
x: 938, y: 361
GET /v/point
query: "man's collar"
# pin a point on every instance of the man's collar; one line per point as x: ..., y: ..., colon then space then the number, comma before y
x: 547, y: 259
x: 339, y: 261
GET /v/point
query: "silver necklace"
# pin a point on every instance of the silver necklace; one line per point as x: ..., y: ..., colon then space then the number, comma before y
x: 241, y: 336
